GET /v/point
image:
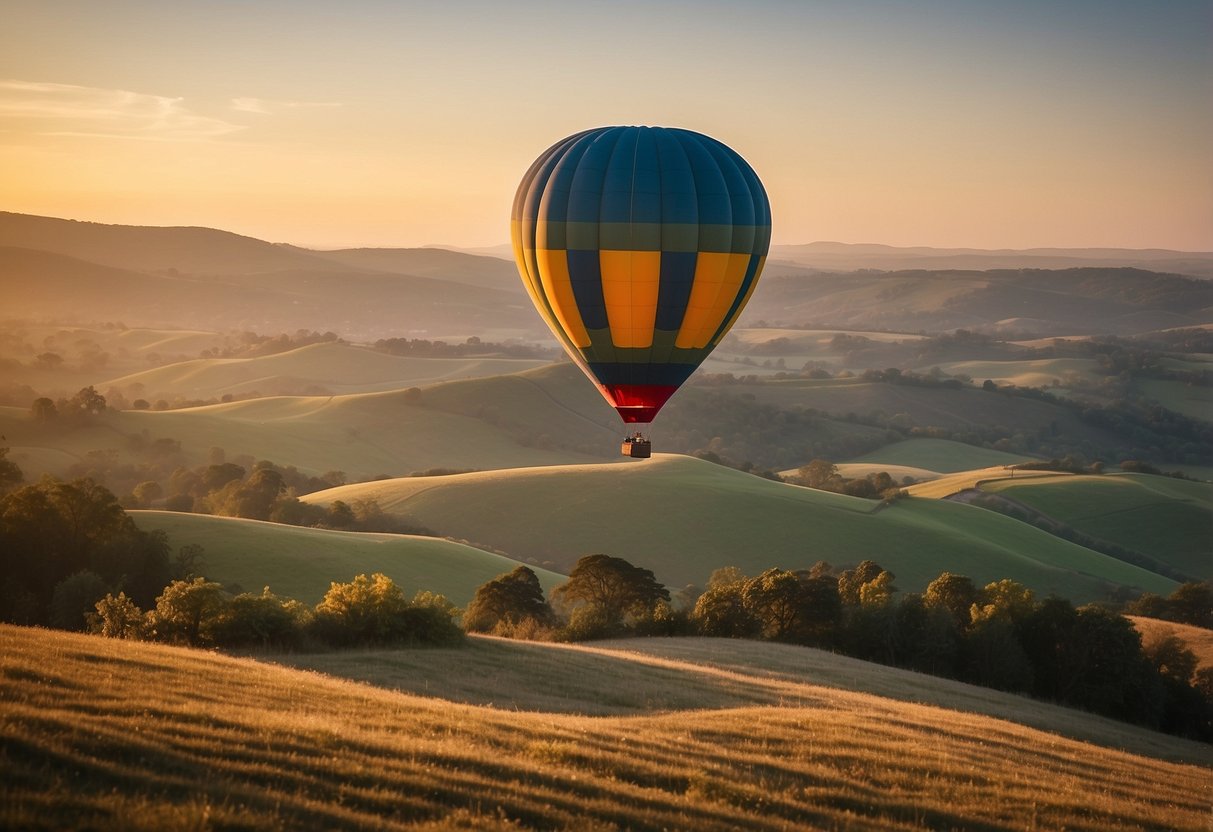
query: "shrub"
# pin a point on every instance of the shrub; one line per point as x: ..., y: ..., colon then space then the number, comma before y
x: 74, y: 598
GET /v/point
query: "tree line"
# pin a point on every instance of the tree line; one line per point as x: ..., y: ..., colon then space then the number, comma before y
x: 999, y: 636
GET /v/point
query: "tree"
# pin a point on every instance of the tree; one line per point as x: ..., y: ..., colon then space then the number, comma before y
x: 11, y: 475
x: 363, y: 611
x: 721, y: 610
x: 776, y: 600
x: 1192, y: 603
x: 86, y: 403
x: 43, y: 410
x: 852, y: 580
x: 1005, y: 599
x: 147, y: 492
x: 953, y: 593
x: 117, y: 617
x: 186, y: 612
x: 611, y: 585
x: 818, y: 473
x: 263, y: 620
x: 506, y: 602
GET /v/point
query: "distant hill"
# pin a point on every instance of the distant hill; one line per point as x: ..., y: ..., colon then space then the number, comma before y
x: 372, y: 293
x: 335, y: 368
x: 301, y: 563
x: 683, y: 518
x: 474, y: 270
x: 184, y: 250
x: 828, y: 256
x: 363, y: 305
x: 1120, y: 301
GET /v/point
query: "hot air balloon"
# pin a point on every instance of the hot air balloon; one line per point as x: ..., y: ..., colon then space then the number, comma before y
x: 640, y: 246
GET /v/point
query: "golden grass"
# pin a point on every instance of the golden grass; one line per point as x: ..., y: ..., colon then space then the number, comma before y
x: 107, y: 734
x: 1197, y: 639
x: 947, y: 486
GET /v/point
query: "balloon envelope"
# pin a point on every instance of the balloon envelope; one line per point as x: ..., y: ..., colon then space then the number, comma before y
x: 640, y: 246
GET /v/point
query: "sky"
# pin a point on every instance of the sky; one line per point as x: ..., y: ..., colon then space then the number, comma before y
x: 947, y: 123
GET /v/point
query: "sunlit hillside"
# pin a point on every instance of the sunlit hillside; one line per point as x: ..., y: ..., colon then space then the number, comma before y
x: 300, y: 563
x: 733, y: 742
x: 1168, y: 519
x: 332, y: 368
x: 940, y: 455
x: 684, y: 518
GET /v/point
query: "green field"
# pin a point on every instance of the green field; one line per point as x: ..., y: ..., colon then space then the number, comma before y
x: 940, y: 455
x: 107, y: 734
x: 950, y: 484
x: 301, y: 563
x: 364, y: 434
x: 1044, y: 372
x: 1168, y: 519
x: 1189, y: 399
x: 683, y: 518
x: 335, y: 368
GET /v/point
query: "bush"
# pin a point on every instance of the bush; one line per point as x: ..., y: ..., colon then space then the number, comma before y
x: 117, y: 618
x: 263, y: 620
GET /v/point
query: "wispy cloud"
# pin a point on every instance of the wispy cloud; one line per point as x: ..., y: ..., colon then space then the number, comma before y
x: 265, y: 105
x: 70, y: 110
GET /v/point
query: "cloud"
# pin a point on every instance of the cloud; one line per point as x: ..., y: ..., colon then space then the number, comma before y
x: 69, y: 110
x: 266, y: 106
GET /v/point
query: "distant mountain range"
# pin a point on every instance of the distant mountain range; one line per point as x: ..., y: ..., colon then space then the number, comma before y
x: 66, y: 270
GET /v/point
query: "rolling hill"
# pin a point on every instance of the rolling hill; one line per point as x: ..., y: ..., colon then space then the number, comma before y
x: 365, y: 435
x: 100, y: 733
x: 1121, y: 301
x: 301, y: 563
x: 684, y: 518
x: 830, y: 256
x: 940, y: 455
x: 1168, y: 519
x: 335, y: 368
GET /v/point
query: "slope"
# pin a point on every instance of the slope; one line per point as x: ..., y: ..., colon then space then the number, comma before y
x: 364, y: 435
x: 683, y: 518
x: 940, y: 455
x: 110, y: 734
x: 1168, y: 519
x: 337, y: 368
x: 301, y: 563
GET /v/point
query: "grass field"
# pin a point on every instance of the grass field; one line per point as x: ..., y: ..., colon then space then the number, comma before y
x: 336, y: 368
x: 1197, y: 639
x: 1044, y: 372
x: 363, y: 435
x: 940, y: 455
x: 1169, y: 519
x: 301, y: 563
x: 950, y: 484
x: 110, y: 734
x: 1188, y: 399
x: 683, y: 518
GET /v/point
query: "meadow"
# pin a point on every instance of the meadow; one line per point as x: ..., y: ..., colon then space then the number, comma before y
x: 110, y: 734
x: 683, y: 518
x: 300, y: 563
x: 1168, y: 519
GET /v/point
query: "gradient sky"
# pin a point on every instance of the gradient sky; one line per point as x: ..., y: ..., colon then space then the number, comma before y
x: 966, y: 123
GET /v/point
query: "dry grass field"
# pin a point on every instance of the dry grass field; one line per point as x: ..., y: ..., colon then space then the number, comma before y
x: 114, y: 735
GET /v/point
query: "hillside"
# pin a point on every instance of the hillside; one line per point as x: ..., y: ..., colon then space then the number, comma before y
x: 301, y: 563
x: 357, y: 304
x: 1168, y: 519
x: 104, y: 733
x: 939, y: 455
x: 1121, y: 301
x: 829, y: 256
x: 474, y: 270
x: 334, y: 368
x: 187, y: 250
x: 683, y: 518
x: 364, y: 435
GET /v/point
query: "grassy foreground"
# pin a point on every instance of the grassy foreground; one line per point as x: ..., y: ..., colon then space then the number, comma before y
x: 108, y: 734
